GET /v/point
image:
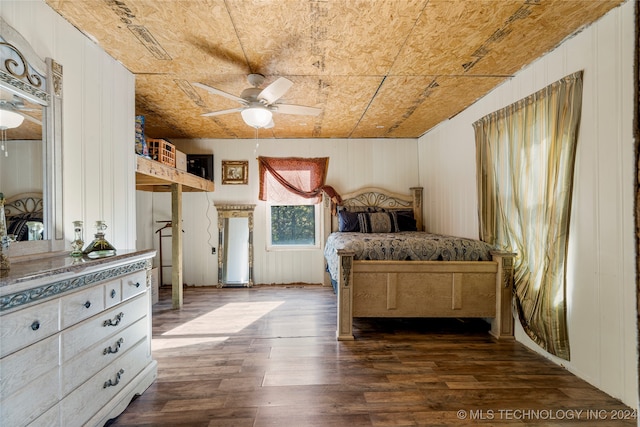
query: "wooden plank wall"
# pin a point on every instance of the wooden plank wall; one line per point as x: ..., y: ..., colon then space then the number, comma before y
x: 98, y: 107
x: 601, y: 290
x: 353, y: 164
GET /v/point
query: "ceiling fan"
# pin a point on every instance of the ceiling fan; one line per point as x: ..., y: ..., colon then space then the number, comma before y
x: 258, y: 105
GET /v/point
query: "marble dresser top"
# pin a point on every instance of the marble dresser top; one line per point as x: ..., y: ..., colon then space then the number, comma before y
x: 42, y: 268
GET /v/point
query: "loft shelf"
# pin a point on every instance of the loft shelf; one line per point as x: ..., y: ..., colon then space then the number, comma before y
x: 155, y: 176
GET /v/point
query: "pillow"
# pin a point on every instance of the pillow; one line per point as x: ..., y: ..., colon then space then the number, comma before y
x: 378, y: 222
x: 406, y: 221
x: 348, y: 221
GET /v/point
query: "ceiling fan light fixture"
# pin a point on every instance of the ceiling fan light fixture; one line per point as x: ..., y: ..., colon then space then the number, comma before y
x: 256, y: 116
x: 10, y: 119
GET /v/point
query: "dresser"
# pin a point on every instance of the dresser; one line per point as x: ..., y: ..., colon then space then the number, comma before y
x: 75, y: 339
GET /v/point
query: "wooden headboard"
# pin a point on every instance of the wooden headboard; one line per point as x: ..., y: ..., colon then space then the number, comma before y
x: 374, y: 197
x: 23, y: 204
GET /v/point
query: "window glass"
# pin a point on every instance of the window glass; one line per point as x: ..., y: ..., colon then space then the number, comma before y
x: 293, y: 226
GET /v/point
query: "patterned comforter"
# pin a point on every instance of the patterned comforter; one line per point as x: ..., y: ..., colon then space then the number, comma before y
x: 404, y: 246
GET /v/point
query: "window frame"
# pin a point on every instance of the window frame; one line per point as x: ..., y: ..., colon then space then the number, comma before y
x: 318, y: 230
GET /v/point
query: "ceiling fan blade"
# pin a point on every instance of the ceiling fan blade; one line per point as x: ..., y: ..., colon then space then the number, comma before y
x: 221, y: 112
x: 220, y: 92
x: 297, y: 109
x: 270, y: 125
x: 275, y: 90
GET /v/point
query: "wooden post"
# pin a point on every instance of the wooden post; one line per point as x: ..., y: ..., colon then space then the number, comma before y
x: 345, y: 296
x: 176, y: 247
x: 502, y: 324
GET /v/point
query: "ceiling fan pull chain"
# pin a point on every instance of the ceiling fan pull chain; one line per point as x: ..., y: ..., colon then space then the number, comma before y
x: 255, y: 150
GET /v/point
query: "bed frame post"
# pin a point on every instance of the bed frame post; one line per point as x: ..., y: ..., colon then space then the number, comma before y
x: 327, y: 228
x: 502, y: 324
x: 416, y: 194
x: 345, y: 296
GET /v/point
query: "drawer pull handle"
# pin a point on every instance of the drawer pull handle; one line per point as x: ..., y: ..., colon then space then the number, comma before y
x: 87, y: 304
x: 35, y: 325
x: 115, y: 321
x: 111, y: 383
x: 137, y: 284
x: 113, y: 293
x: 116, y: 347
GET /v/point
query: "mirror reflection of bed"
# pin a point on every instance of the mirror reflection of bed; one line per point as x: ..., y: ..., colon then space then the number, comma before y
x: 24, y: 215
x: 21, y: 165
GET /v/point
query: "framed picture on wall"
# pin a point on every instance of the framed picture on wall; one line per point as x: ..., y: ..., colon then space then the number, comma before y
x: 235, y: 171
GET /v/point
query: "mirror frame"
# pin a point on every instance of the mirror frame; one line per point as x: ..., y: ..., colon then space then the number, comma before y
x: 233, y: 211
x: 16, y: 78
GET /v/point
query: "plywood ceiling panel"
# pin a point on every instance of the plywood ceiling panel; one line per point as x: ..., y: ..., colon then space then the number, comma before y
x: 376, y: 68
x: 438, y: 97
x: 323, y: 37
x: 447, y: 34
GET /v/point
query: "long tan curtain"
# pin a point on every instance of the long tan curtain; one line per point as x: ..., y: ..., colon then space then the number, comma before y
x: 525, y: 162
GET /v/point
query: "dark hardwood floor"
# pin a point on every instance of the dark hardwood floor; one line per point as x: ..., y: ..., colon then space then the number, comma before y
x: 267, y: 356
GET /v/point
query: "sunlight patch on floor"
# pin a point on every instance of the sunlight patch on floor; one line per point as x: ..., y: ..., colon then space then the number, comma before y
x: 158, y: 344
x: 228, y: 319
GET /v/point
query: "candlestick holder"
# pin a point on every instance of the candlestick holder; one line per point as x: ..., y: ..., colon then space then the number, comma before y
x: 78, y: 239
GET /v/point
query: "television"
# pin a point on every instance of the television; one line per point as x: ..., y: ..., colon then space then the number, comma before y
x: 200, y: 165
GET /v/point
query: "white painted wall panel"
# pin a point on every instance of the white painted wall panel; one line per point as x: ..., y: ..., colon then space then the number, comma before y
x: 144, y: 221
x: 601, y: 263
x: 13, y: 179
x: 353, y: 164
x: 98, y: 122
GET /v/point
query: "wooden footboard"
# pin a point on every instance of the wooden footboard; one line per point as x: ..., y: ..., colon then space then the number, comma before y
x: 460, y: 289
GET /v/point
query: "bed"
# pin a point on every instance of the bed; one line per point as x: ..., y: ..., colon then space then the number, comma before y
x: 21, y: 211
x: 466, y: 279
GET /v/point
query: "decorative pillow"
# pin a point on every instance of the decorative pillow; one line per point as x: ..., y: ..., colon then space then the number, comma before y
x: 378, y: 222
x: 406, y: 221
x: 348, y: 221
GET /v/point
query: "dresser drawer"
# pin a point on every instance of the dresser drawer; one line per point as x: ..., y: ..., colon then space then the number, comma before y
x: 51, y: 418
x: 82, y: 305
x: 23, y: 367
x: 134, y: 284
x: 24, y: 327
x: 112, y: 293
x: 112, y: 321
x: 86, y: 364
x: 90, y: 397
x: 25, y: 405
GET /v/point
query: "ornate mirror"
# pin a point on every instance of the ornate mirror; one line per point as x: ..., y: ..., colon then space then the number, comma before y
x: 235, y: 245
x: 30, y: 146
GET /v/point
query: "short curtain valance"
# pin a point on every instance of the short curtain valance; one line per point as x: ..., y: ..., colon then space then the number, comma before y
x: 294, y: 180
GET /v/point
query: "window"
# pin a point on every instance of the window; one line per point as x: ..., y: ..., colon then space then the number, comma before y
x: 525, y: 161
x: 293, y: 188
x: 293, y: 227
